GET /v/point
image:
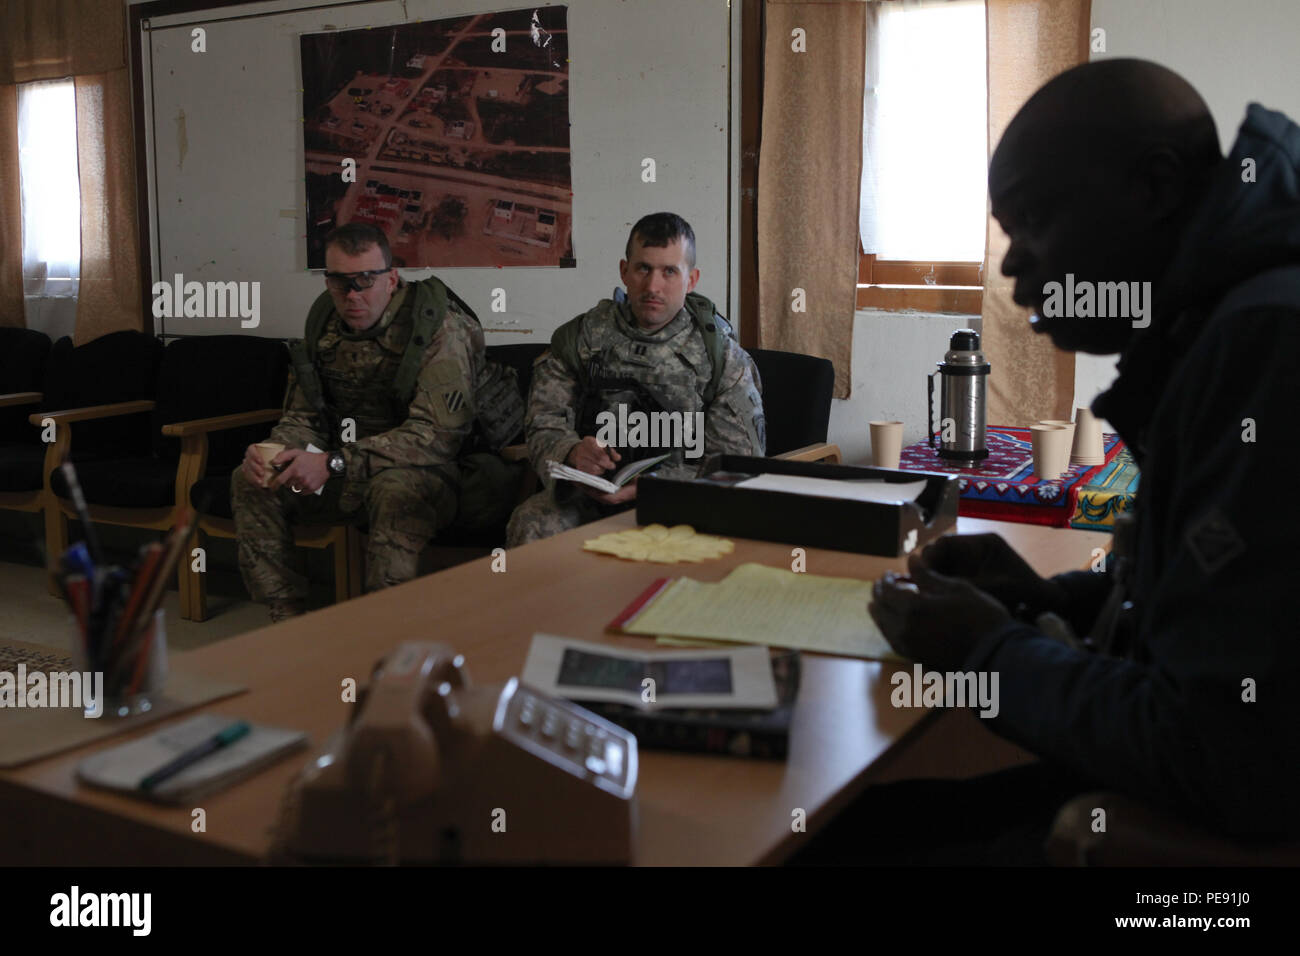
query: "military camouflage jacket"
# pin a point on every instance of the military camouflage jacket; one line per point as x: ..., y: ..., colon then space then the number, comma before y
x: 357, y: 370
x: 673, y: 363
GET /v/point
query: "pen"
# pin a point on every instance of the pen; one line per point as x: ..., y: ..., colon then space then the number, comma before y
x: 79, y: 502
x: 196, y: 753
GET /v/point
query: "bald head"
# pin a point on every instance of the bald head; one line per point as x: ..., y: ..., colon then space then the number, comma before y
x: 1096, y: 177
x: 1107, y: 112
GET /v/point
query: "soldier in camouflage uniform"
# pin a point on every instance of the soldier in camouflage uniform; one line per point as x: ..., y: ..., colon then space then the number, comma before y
x: 655, y: 352
x: 391, y: 467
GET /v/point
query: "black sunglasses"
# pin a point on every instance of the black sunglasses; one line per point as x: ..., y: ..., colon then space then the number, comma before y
x: 353, y: 281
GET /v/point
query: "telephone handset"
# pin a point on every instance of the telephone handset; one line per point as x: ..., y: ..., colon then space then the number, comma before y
x: 432, y: 768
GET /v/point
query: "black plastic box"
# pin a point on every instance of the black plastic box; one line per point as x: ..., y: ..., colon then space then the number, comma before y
x: 713, y: 506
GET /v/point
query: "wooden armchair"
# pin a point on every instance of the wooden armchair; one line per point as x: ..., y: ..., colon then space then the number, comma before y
x: 797, y: 392
x: 24, y: 354
x: 58, y: 509
x: 211, y: 500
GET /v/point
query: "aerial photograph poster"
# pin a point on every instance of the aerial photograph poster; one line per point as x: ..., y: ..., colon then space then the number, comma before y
x: 452, y: 136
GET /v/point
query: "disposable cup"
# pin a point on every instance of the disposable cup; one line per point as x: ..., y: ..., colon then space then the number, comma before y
x: 1051, y: 451
x: 886, y: 443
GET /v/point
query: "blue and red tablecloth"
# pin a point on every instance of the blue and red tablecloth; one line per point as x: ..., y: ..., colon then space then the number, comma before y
x: 1003, y: 485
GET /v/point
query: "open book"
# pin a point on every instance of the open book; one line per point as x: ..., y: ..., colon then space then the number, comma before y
x: 607, y: 485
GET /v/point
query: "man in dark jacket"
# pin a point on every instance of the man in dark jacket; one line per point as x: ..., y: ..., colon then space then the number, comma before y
x: 1184, y: 692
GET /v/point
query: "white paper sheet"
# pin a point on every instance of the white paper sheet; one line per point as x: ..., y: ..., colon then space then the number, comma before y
x: 868, y: 490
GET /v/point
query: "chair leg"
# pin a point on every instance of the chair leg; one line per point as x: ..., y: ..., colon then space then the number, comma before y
x: 342, y: 563
x: 56, y: 541
x: 356, y: 562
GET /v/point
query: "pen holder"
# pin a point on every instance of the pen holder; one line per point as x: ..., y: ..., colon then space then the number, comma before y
x: 133, y: 673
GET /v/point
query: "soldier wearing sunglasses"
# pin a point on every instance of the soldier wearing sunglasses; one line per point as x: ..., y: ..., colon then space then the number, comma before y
x: 379, y: 403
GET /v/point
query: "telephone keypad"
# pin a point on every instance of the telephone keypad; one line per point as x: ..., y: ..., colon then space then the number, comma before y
x: 556, y: 727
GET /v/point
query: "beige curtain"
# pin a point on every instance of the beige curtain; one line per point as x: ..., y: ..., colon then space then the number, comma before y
x: 108, y: 299
x: 11, y: 220
x: 808, y: 178
x: 1029, y: 42
x: 84, y: 39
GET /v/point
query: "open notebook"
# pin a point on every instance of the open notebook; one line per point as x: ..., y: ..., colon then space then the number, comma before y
x: 123, y: 768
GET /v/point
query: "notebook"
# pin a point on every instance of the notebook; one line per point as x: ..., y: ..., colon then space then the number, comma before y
x: 122, y: 768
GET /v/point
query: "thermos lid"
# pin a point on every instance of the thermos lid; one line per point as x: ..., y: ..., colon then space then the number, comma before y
x: 965, y: 340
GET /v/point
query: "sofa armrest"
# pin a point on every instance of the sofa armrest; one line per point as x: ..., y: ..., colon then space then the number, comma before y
x: 69, y: 415
x: 218, y: 423
x: 19, y: 398
x: 819, y: 451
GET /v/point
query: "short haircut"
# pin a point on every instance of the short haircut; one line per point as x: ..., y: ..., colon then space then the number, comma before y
x: 356, y: 237
x: 663, y: 229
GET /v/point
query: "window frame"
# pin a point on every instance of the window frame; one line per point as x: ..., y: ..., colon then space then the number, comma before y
x: 898, y: 285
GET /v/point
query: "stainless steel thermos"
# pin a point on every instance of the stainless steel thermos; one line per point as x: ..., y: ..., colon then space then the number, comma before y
x: 963, y: 385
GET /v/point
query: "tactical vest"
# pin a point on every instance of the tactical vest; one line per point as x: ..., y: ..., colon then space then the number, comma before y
x: 600, y: 389
x: 497, y: 400
x: 713, y: 328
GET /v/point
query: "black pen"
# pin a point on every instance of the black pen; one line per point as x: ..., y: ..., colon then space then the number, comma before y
x: 196, y: 753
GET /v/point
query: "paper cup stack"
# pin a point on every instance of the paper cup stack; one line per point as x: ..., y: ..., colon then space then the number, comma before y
x: 1088, y: 448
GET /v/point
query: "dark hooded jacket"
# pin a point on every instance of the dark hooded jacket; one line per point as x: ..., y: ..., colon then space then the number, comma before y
x: 1200, y: 716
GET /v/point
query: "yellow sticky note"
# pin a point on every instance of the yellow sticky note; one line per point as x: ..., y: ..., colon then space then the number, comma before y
x: 661, y: 545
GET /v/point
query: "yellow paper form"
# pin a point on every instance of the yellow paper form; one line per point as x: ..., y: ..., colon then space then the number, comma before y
x: 756, y: 604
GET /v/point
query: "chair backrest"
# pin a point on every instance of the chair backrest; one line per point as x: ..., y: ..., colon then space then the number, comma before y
x: 797, y: 393
x: 209, y: 375
x: 118, y: 367
x: 23, y: 355
x: 520, y: 358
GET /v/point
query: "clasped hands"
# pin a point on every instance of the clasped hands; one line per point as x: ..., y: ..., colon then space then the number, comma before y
x: 300, y: 470
x: 957, y: 590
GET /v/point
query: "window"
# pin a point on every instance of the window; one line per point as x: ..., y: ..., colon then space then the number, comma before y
x: 47, y: 162
x: 925, y: 157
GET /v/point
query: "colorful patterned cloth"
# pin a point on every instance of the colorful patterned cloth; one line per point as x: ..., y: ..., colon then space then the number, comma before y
x: 1109, y: 493
x: 1002, y: 486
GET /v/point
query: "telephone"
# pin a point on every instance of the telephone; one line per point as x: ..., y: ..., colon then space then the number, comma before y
x: 434, y: 769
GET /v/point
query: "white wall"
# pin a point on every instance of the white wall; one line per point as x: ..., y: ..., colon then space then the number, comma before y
x: 646, y: 80
x: 1233, y: 53
x: 893, y: 352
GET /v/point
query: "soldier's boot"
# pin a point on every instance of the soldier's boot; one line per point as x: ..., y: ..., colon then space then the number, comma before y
x: 406, y: 507
x: 282, y: 610
x: 267, y: 558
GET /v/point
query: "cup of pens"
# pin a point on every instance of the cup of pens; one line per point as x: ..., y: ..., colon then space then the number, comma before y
x: 117, y: 613
x: 134, y: 672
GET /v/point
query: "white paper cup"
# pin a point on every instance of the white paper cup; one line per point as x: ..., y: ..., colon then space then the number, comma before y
x: 1051, y: 451
x: 886, y: 443
x: 268, y: 450
x: 1088, y: 448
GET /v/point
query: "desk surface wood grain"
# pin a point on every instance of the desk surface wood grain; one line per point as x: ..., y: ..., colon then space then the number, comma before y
x: 694, y: 808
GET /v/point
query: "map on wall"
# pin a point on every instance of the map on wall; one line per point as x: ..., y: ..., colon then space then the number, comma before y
x: 450, y: 135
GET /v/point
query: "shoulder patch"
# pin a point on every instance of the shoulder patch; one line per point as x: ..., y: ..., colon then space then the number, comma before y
x: 1213, y: 542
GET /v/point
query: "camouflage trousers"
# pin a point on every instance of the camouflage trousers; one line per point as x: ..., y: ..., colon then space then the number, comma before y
x: 403, y: 507
x: 544, y: 514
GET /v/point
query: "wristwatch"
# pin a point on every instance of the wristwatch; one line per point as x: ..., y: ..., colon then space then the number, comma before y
x: 337, y: 466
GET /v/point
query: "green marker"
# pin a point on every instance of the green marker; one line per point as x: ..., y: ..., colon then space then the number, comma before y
x: 196, y: 753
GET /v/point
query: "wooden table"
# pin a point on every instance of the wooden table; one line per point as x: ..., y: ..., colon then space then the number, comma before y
x: 694, y: 808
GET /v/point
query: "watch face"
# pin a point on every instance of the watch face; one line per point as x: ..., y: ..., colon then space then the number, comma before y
x: 336, y: 463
